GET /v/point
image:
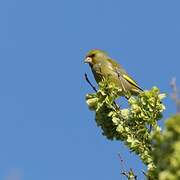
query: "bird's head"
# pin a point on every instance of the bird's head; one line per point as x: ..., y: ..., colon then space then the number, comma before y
x: 95, y: 56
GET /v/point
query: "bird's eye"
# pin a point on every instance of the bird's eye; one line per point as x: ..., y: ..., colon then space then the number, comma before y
x: 92, y: 55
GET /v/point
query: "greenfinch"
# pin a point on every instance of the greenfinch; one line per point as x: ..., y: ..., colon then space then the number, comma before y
x: 103, y: 67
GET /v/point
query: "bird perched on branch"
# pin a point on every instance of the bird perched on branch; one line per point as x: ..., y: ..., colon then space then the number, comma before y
x: 103, y: 67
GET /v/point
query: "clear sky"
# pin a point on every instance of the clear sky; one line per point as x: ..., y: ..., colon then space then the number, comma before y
x: 46, y: 129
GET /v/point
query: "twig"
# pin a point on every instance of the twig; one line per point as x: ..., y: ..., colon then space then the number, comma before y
x: 122, y: 165
x: 86, y: 78
x: 93, y: 87
x: 146, y: 175
x: 174, y: 94
x: 129, y: 174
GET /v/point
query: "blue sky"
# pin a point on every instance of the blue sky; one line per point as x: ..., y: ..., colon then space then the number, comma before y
x: 46, y: 129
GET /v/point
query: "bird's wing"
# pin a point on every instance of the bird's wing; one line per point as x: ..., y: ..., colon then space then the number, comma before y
x: 131, y: 81
x: 122, y: 74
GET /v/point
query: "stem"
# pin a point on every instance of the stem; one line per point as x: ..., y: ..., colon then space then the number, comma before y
x: 88, y: 81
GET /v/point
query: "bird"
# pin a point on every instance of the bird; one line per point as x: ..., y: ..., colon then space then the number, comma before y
x: 104, y: 67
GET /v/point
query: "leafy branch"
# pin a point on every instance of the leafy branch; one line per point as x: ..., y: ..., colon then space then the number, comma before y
x: 131, y: 124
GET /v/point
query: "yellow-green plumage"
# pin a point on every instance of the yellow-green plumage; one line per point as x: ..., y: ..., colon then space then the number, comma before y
x: 104, y: 67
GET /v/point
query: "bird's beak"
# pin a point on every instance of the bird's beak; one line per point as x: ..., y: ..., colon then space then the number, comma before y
x: 88, y: 60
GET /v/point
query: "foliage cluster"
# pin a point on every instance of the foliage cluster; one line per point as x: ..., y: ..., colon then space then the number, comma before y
x: 135, y: 125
